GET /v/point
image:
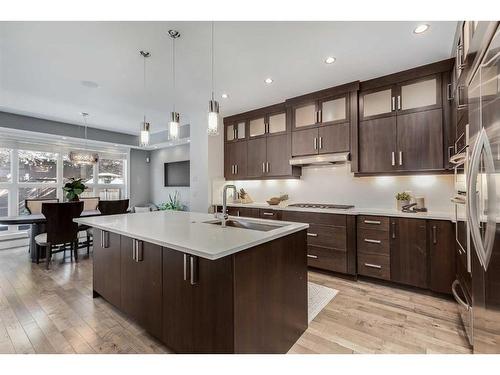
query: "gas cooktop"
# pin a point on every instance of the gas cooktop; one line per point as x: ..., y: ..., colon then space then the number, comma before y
x: 322, y: 205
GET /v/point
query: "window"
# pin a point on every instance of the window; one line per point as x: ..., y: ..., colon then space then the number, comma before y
x: 70, y: 170
x: 4, y: 202
x: 5, y: 163
x: 110, y: 171
x: 34, y: 192
x: 37, y: 166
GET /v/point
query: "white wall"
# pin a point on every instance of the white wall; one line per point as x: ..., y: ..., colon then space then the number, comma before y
x: 338, y: 185
x: 159, y: 193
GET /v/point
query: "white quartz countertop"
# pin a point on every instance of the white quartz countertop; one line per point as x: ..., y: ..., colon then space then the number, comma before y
x: 354, y: 211
x: 188, y: 231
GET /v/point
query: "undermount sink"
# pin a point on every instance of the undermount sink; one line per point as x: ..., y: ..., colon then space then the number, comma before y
x: 243, y: 224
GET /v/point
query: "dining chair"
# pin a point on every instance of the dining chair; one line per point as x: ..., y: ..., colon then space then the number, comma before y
x: 89, y: 204
x: 113, y: 207
x: 34, y: 205
x: 60, y: 229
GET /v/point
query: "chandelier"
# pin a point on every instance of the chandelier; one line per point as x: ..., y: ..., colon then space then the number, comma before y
x: 81, y: 157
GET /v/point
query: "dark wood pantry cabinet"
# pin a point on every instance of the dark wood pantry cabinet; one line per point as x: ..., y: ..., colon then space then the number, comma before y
x: 442, y: 255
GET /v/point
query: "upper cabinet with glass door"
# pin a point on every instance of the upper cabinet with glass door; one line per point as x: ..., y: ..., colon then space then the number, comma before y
x: 407, y: 97
x: 235, y: 131
x: 325, y: 111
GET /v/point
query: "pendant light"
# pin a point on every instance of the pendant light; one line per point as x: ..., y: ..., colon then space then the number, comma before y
x: 213, y: 105
x: 144, y: 139
x: 174, y: 119
x: 84, y: 157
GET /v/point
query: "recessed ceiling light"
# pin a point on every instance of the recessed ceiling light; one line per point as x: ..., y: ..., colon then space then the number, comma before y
x: 330, y: 60
x: 63, y: 137
x: 90, y: 84
x: 421, y: 28
x: 225, y: 96
x: 268, y: 81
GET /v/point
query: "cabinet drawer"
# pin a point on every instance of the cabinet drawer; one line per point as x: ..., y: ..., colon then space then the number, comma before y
x: 315, y: 218
x: 373, y: 241
x: 270, y: 214
x: 327, y: 259
x: 378, y: 266
x: 373, y: 222
x: 327, y: 236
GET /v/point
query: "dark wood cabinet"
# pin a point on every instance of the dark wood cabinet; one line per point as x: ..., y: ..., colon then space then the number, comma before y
x: 377, y: 138
x: 331, y: 240
x: 409, y: 251
x: 235, y: 160
x: 197, y: 303
x: 420, y: 141
x: 404, y: 121
x: 241, y: 211
x: 333, y: 138
x: 442, y: 255
x: 265, y: 150
x: 107, y: 266
x: 305, y: 142
x: 141, y: 281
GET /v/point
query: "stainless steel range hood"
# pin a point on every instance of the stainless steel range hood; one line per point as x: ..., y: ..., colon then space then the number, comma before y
x: 337, y: 158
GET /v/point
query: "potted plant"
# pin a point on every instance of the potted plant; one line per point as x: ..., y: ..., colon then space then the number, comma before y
x: 73, y: 189
x: 402, y: 199
x: 173, y: 203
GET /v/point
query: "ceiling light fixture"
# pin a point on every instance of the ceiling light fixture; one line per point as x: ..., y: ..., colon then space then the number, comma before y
x: 330, y: 60
x: 225, y: 96
x: 174, y: 120
x: 144, y: 138
x: 268, y: 81
x: 213, y: 105
x: 84, y: 157
x: 421, y: 29
x: 90, y: 84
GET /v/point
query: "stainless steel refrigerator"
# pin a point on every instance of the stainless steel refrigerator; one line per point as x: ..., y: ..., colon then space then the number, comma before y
x: 483, y: 201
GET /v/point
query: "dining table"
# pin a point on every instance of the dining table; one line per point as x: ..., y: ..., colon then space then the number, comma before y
x: 37, y: 226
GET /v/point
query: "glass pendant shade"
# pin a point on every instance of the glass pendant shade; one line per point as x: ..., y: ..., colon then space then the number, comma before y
x: 83, y: 157
x: 145, y: 134
x: 213, y: 117
x: 174, y: 126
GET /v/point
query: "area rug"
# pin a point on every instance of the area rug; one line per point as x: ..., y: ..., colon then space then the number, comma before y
x: 318, y: 297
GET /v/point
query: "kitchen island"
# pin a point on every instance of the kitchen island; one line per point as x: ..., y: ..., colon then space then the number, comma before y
x: 202, y: 288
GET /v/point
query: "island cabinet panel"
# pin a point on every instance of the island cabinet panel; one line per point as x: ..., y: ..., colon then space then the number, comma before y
x: 197, y: 303
x: 141, y: 283
x: 107, y: 266
x: 409, y: 251
x: 442, y: 255
x: 270, y: 291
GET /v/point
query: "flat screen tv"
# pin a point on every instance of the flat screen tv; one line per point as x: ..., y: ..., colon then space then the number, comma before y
x: 177, y: 173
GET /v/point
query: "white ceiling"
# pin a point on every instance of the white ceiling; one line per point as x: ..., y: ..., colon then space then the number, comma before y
x: 42, y: 65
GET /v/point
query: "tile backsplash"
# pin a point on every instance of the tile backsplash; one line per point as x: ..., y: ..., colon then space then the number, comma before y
x: 336, y: 184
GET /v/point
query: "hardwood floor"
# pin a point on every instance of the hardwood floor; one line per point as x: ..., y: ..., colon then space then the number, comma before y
x: 53, y: 312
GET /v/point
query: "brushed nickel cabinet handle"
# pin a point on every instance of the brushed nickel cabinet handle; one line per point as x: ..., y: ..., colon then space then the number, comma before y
x: 312, y: 234
x: 186, y: 267
x: 372, y: 241
x: 139, y: 253
x: 376, y: 222
x: 393, y: 104
x: 104, y: 239
x: 267, y: 167
x: 238, y: 213
x: 393, y: 159
x: 312, y: 256
x: 373, y: 266
x: 400, y: 157
x: 320, y: 142
x: 236, y: 168
x: 320, y: 116
x: 268, y: 213
x: 315, y: 143
x: 193, y: 269
x: 393, y: 230
x: 434, y: 234
x: 399, y: 102
x: 263, y: 167
x: 449, y: 92
x: 134, y: 251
